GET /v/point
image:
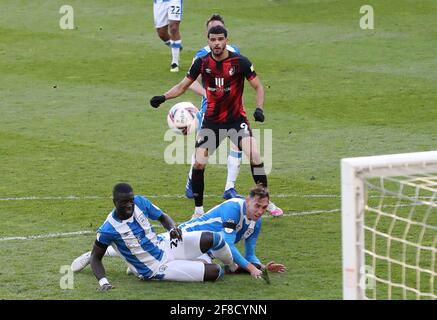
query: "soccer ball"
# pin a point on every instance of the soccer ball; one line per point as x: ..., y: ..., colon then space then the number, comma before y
x: 181, y: 118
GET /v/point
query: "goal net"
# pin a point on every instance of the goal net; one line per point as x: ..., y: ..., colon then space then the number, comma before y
x: 389, y: 226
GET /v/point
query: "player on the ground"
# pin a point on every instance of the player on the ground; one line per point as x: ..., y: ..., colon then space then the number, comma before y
x: 168, y: 15
x: 235, y: 155
x: 235, y: 220
x: 148, y: 255
x: 223, y: 73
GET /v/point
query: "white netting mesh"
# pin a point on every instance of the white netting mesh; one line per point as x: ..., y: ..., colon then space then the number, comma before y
x: 400, y: 232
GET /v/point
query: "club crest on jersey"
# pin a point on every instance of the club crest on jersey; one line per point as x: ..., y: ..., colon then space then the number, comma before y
x: 163, y: 268
x: 231, y: 71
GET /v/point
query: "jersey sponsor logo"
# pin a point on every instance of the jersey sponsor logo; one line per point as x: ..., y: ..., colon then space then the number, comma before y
x: 219, y: 82
x: 208, y: 70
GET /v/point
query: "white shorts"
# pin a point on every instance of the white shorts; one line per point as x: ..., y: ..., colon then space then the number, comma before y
x: 182, y: 262
x: 165, y: 10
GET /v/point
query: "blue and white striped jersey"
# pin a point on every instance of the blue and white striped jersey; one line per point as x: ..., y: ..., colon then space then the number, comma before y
x: 200, y: 54
x: 229, y: 219
x: 134, y: 238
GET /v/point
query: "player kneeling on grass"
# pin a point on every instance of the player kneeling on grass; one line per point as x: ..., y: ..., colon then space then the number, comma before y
x: 151, y: 256
x: 234, y: 219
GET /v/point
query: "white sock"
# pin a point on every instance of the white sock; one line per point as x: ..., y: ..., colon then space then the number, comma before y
x: 199, y: 210
x: 111, y: 252
x: 175, y: 50
x: 234, y: 161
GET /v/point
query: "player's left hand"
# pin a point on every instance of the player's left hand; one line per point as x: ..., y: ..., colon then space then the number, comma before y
x: 157, y: 100
x: 275, y: 267
x: 259, y: 115
x: 176, y: 233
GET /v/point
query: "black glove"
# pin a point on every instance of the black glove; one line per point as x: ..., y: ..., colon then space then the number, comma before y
x: 157, y: 100
x: 259, y: 115
x: 176, y: 233
x: 105, y: 287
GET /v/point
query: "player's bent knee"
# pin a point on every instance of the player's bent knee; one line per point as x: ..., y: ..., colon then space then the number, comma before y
x: 213, y: 272
x: 206, y: 241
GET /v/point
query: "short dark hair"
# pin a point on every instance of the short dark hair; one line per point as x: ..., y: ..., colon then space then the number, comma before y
x: 218, y: 30
x: 215, y: 17
x: 259, y: 190
x: 121, y: 187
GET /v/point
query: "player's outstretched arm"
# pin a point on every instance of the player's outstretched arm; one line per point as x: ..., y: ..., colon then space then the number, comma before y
x: 97, y: 266
x: 174, y: 92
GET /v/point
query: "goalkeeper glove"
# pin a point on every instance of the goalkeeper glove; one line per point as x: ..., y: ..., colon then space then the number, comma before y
x: 259, y: 115
x: 156, y: 101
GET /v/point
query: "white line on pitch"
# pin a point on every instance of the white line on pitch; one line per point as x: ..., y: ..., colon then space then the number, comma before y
x: 49, y: 235
x: 157, y: 196
x: 75, y: 233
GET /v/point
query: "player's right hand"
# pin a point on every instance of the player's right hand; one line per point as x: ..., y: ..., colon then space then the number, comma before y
x: 105, y: 287
x: 176, y: 233
x: 254, y: 271
x: 156, y: 101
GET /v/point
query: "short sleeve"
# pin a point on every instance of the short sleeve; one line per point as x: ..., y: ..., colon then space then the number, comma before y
x: 194, y: 71
x: 104, y: 238
x: 148, y: 208
x: 247, y: 68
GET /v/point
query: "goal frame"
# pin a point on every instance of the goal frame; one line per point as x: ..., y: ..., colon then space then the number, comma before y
x: 353, y: 170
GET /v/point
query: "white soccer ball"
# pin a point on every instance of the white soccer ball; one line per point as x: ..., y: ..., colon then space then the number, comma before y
x: 181, y: 118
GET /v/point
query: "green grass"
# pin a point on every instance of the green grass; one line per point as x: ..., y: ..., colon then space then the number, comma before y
x: 332, y: 91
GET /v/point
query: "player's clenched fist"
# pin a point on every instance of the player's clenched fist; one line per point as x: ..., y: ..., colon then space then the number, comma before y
x: 156, y: 101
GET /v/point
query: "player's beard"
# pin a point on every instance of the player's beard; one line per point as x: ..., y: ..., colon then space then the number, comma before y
x: 218, y: 52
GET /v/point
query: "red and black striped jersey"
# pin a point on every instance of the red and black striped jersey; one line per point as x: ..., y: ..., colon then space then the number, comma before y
x: 224, y: 85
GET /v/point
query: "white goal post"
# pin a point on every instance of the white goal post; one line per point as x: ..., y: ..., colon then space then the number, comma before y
x: 389, y: 226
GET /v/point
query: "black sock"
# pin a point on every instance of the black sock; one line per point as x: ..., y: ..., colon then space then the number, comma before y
x: 258, y: 174
x: 198, y: 186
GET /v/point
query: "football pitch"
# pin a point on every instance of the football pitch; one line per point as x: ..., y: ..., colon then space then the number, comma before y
x: 75, y: 120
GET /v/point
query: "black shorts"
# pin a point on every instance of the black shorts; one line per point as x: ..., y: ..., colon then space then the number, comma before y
x: 212, y: 134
